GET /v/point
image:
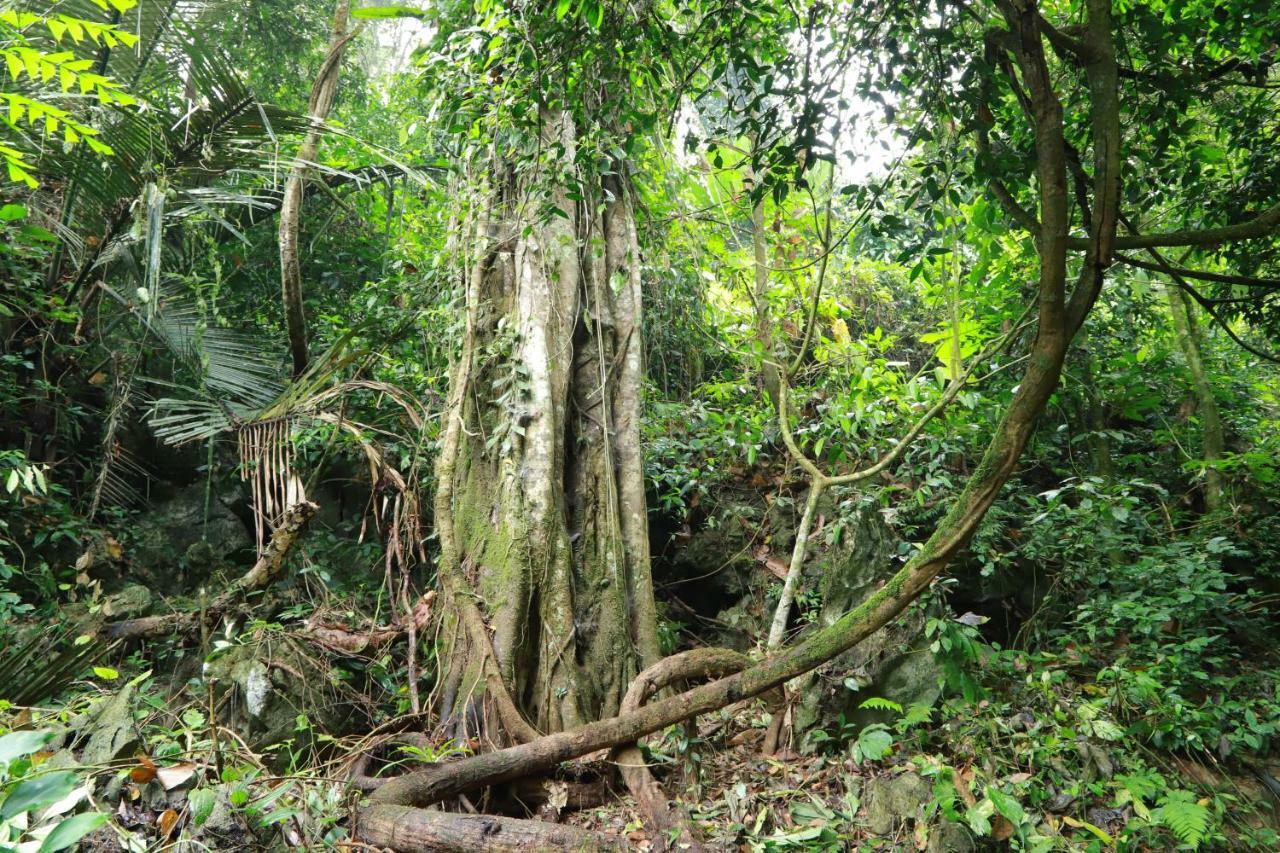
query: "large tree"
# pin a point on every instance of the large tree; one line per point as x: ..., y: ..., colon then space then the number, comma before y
x: 540, y: 501
x: 540, y: 504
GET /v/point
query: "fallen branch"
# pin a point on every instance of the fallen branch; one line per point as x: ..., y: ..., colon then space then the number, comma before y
x: 353, y: 642
x: 266, y: 571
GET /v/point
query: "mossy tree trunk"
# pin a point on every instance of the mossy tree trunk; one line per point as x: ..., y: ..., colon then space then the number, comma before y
x: 1214, y: 440
x: 540, y: 505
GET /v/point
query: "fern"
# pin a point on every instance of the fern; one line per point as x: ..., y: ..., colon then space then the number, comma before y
x: 879, y: 703
x: 1184, y: 816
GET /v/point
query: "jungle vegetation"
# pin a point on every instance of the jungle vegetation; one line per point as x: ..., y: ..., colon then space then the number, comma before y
x: 663, y: 424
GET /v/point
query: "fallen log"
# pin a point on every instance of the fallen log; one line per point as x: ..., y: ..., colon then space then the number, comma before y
x: 408, y: 828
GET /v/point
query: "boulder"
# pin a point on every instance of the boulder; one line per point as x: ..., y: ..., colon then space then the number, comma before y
x: 175, y: 532
x: 109, y: 731
x: 272, y: 685
x: 894, y: 804
x: 846, y: 565
x: 217, y: 823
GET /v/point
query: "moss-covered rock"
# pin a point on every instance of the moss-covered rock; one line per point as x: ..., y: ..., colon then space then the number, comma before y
x: 847, y: 565
x: 109, y: 731
x: 279, y: 693
x: 894, y: 804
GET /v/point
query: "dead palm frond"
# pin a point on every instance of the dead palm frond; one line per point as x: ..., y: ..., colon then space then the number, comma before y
x: 45, y: 665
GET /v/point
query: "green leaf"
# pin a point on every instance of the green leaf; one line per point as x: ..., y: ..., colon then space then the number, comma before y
x: 37, y: 792
x: 17, y: 745
x: 879, y: 703
x: 1208, y: 154
x: 72, y: 830
x: 1007, y: 806
x: 562, y: 8
x: 874, y: 743
x: 201, y: 801
x: 10, y: 212
x: 106, y: 672
x: 1188, y: 819
x: 388, y: 12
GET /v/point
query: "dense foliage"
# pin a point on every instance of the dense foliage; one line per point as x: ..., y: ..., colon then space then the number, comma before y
x: 842, y: 218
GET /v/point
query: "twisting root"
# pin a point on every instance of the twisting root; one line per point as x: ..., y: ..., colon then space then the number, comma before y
x: 659, y: 816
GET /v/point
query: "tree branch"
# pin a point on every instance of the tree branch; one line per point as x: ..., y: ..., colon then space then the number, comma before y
x: 1262, y: 225
x: 1199, y: 275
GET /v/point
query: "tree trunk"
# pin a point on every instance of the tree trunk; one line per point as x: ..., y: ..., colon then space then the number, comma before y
x: 323, y: 93
x: 540, y: 506
x: 1214, y: 442
x: 1095, y: 416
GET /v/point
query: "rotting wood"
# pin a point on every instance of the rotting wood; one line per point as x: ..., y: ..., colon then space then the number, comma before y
x: 405, y: 828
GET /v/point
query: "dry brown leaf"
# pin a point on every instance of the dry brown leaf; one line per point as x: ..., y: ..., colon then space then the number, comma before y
x: 1001, y: 829
x: 771, y: 562
x: 172, y: 777
x: 145, y: 771
x: 962, y: 784
x: 167, y: 820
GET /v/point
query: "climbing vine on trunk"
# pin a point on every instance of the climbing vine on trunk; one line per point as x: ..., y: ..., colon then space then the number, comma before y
x: 541, y: 500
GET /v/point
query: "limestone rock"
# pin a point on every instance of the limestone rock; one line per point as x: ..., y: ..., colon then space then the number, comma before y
x: 893, y: 804
x: 895, y: 662
x: 176, y: 528
x: 111, y: 730
x: 272, y: 685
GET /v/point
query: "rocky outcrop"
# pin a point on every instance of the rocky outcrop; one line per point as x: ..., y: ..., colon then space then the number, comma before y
x: 175, y: 533
x: 723, y: 570
x: 895, y: 662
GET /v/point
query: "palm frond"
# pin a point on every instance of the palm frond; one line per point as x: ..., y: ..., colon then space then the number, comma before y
x: 61, y: 662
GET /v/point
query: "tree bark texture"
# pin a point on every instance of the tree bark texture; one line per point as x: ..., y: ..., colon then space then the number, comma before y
x: 540, y: 506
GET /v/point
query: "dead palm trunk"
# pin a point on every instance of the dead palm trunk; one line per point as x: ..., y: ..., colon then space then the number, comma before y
x: 322, y: 95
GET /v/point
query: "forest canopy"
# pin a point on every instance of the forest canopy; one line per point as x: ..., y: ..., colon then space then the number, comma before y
x: 661, y: 425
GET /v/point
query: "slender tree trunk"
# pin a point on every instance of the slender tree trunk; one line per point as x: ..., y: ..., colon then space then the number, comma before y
x: 1214, y: 442
x: 540, y: 505
x: 760, y: 298
x: 322, y: 96
x: 1095, y: 418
